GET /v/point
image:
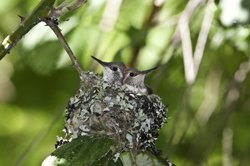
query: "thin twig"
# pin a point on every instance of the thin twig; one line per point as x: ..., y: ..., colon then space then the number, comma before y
x: 183, y: 27
x: 187, y: 51
x: 63, y: 8
x: 192, y: 60
x: 133, y: 158
x: 52, y: 22
x: 53, y: 25
x: 41, y: 10
x: 202, y: 39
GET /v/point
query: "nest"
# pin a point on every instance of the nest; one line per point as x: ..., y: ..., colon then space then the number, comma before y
x: 100, y: 108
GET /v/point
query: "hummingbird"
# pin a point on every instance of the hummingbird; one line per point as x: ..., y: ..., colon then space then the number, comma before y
x: 134, y: 80
x: 113, y: 72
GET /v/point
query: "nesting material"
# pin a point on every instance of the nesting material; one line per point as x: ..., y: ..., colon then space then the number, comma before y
x: 100, y: 108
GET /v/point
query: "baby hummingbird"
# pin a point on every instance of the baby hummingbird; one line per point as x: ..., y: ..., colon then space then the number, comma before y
x: 113, y: 72
x: 134, y: 80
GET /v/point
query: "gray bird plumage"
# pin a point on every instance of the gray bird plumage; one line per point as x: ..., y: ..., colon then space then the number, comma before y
x: 134, y: 80
x: 113, y: 72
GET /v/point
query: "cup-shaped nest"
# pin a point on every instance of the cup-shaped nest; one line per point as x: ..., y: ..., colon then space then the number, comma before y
x: 100, y: 108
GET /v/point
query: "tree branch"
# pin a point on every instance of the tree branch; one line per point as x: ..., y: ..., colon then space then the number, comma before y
x: 53, y: 25
x: 64, y: 8
x: 25, y: 26
x: 183, y: 27
x: 203, y: 35
x: 45, y: 11
x: 192, y: 60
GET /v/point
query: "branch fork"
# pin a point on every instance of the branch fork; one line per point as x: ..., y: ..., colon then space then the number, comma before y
x: 45, y: 11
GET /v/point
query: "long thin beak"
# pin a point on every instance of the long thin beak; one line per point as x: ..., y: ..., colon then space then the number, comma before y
x: 101, y: 62
x: 148, y: 71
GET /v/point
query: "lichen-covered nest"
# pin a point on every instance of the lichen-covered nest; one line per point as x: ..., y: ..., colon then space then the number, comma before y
x: 100, y: 108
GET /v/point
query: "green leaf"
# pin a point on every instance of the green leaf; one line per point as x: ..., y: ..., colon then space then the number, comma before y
x: 143, y: 159
x: 108, y: 160
x: 92, y: 151
x: 97, y: 151
x: 44, y: 60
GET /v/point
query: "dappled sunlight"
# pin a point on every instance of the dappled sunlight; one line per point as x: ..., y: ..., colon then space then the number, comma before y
x: 201, y: 49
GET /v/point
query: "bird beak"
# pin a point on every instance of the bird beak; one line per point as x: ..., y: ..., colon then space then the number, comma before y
x: 147, y: 71
x: 100, y: 62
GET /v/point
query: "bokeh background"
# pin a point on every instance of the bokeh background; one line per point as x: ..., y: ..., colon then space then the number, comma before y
x: 201, y: 46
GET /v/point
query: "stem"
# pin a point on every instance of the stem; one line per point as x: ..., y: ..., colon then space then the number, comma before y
x: 184, y: 30
x: 53, y: 25
x: 133, y: 158
x: 43, y: 10
x: 203, y: 35
x: 24, y: 27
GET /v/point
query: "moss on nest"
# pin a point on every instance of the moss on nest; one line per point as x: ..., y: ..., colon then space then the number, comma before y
x: 100, y: 108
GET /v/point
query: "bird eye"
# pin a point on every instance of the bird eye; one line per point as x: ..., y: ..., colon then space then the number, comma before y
x: 114, y: 68
x: 131, y: 74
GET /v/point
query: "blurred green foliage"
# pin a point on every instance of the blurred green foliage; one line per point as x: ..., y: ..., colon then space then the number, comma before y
x: 208, y: 120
